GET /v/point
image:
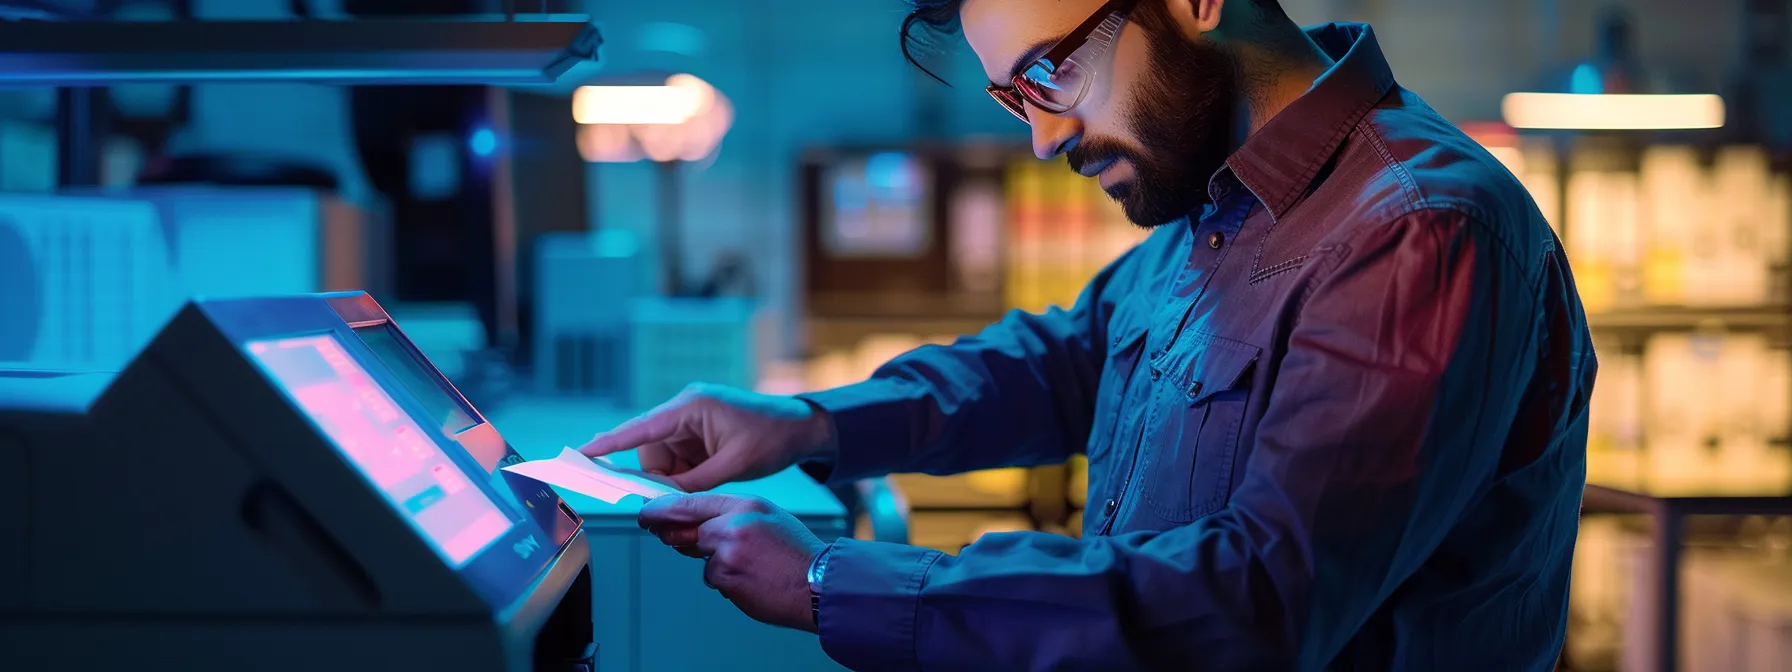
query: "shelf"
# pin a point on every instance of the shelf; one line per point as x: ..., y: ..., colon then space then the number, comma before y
x: 869, y: 306
x: 1748, y: 318
x: 1605, y: 499
x: 533, y: 50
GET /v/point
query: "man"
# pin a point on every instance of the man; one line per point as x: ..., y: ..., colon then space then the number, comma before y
x: 1334, y: 407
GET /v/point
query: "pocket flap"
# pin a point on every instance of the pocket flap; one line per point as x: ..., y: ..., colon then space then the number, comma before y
x: 1128, y: 326
x: 1219, y: 367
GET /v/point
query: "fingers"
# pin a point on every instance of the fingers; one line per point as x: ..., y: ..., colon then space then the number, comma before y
x: 723, y: 467
x: 691, y: 510
x: 635, y: 432
x: 676, y: 536
x: 714, y: 575
x: 657, y: 458
x: 713, y: 538
x: 660, y: 424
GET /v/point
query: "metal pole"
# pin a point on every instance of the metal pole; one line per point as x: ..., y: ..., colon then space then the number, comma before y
x: 1666, y: 590
x: 671, y: 218
x: 80, y: 133
x: 504, y: 225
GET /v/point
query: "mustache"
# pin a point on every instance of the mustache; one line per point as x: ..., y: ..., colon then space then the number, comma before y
x: 1090, y: 152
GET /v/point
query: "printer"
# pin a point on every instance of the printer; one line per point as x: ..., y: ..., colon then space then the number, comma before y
x: 277, y: 484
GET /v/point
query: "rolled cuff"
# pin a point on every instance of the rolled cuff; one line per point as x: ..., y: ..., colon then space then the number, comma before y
x: 871, y: 426
x: 870, y: 595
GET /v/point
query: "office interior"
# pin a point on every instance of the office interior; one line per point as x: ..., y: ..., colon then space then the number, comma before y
x: 590, y: 205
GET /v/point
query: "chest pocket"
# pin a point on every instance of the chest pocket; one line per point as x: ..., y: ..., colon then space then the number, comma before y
x: 1203, y: 407
x: 1126, y: 339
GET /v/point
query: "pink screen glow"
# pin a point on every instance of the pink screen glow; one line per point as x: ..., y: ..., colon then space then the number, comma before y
x: 387, y: 446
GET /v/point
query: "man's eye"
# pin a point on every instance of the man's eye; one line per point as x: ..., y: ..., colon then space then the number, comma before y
x: 1064, y: 72
x: 1042, y: 73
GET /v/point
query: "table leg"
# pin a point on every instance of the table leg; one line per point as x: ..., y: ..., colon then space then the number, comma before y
x: 1667, y: 591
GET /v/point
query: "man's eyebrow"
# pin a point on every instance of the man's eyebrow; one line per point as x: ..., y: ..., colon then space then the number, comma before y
x: 1027, y: 57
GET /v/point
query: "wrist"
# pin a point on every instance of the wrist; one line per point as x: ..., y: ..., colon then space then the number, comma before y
x: 818, y: 566
x: 820, y: 438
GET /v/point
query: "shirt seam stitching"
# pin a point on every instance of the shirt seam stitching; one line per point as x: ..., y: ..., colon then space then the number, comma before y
x: 1278, y: 269
x: 1359, y: 116
x: 1333, y: 255
x: 916, y: 581
x: 1360, y: 123
x: 1409, y: 188
x: 1474, y: 215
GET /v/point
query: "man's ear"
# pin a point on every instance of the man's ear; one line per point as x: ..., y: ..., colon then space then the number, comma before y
x: 1194, y: 18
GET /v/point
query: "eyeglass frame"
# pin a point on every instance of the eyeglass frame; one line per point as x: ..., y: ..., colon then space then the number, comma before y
x: 1015, y: 101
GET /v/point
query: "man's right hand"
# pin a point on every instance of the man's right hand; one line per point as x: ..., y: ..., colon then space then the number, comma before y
x: 709, y: 435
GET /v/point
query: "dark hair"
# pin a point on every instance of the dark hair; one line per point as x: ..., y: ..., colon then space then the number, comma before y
x: 939, y: 18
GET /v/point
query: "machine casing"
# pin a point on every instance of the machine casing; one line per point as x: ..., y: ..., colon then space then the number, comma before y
x: 184, y: 514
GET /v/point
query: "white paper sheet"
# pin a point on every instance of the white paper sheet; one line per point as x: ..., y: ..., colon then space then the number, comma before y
x: 595, y: 477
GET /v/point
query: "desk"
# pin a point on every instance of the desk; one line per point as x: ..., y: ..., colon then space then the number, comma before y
x: 651, y: 609
x: 1668, y: 513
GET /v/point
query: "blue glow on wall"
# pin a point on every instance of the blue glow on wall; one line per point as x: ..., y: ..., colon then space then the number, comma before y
x: 483, y: 143
x: 1586, y: 80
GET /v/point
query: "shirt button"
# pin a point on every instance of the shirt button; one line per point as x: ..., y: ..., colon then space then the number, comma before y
x: 1155, y: 374
x: 1216, y: 239
x: 1108, y: 508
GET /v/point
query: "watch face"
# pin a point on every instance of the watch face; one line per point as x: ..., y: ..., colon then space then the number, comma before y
x: 816, y: 568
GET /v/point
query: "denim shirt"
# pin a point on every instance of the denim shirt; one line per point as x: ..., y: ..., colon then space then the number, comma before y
x: 1336, y: 420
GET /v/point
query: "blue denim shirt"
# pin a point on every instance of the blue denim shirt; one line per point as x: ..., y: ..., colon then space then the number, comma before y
x: 1335, y: 421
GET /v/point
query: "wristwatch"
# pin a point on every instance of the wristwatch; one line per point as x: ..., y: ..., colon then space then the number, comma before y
x: 817, y: 568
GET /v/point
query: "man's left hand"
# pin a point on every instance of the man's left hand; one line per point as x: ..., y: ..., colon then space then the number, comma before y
x: 757, y: 555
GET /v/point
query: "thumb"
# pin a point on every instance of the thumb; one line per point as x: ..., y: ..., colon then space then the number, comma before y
x: 686, y: 510
x: 723, y: 467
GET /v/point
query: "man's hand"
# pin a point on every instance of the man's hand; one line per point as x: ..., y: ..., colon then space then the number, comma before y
x: 710, y: 435
x: 757, y: 554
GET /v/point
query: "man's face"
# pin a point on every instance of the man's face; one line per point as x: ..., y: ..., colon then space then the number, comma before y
x: 1158, y: 119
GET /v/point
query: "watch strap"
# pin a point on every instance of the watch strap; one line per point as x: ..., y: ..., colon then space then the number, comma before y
x: 817, y: 570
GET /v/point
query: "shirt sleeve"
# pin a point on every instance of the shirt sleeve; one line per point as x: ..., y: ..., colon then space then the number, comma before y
x: 1347, y: 491
x: 1019, y: 393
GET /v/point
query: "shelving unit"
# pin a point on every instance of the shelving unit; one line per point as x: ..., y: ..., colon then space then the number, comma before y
x: 1681, y: 257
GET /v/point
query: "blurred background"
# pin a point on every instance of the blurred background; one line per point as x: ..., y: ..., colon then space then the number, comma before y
x: 763, y: 193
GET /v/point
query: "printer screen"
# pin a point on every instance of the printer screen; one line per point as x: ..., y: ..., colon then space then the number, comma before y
x: 444, y: 409
x: 387, y: 445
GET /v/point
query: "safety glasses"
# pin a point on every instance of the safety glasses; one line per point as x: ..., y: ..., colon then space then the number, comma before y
x: 1058, y: 80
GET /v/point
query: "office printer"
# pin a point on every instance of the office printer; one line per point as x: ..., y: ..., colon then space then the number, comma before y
x: 277, y: 484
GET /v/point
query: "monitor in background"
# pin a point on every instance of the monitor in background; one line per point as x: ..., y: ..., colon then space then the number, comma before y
x: 386, y: 445
x: 878, y: 205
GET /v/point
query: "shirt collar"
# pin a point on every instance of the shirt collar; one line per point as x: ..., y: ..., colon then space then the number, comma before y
x: 1280, y: 160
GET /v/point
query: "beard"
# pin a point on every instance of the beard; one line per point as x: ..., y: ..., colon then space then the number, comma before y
x: 1182, y: 114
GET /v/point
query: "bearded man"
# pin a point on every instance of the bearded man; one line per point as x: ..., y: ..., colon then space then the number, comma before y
x: 1334, y: 408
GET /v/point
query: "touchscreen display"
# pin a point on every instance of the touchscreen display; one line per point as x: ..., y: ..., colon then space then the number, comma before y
x: 441, y: 405
x: 402, y: 460
x: 444, y: 409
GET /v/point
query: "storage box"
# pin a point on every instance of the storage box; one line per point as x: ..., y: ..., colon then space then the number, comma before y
x: 676, y: 342
x: 84, y: 282
x: 584, y: 287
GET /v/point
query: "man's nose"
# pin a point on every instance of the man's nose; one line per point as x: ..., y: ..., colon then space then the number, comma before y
x: 1052, y: 134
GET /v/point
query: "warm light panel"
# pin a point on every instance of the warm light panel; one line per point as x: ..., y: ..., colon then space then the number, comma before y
x: 675, y: 102
x: 1612, y: 111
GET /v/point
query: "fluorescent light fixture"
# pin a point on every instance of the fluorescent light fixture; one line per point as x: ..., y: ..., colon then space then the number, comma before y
x: 1604, y: 112
x: 682, y: 119
x: 677, y: 101
x: 532, y: 51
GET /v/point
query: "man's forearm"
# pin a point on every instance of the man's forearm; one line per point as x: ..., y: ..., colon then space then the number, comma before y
x: 1020, y: 393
